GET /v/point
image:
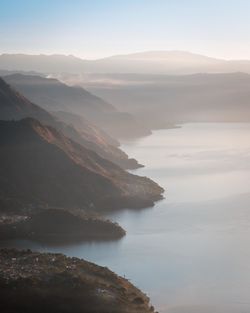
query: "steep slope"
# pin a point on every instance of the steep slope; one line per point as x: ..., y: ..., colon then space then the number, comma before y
x: 97, y: 140
x: 85, y: 127
x: 15, y: 106
x: 52, y: 95
x: 39, y: 165
x: 39, y: 282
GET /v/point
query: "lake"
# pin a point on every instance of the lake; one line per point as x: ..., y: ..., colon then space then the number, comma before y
x: 190, y: 252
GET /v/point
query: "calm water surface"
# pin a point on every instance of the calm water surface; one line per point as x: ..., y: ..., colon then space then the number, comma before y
x: 191, y: 252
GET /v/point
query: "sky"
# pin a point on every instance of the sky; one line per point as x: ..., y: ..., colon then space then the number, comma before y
x: 98, y: 28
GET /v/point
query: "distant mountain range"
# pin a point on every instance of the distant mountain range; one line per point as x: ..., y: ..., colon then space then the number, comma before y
x: 223, y: 97
x: 205, y: 89
x: 53, y: 95
x: 151, y: 62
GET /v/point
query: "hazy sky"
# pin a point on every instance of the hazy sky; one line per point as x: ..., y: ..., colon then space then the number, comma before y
x: 98, y: 28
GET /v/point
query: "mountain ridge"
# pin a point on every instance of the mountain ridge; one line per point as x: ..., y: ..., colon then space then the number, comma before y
x: 71, y: 64
x: 14, y: 105
x: 54, y: 95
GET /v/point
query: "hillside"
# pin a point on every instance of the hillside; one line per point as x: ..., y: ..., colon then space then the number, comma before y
x: 14, y: 105
x: 39, y: 282
x: 97, y: 140
x: 52, y: 95
x: 40, y: 166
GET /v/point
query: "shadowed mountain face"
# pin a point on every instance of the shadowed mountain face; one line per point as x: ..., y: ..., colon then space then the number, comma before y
x: 150, y: 62
x: 15, y: 106
x: 189, y: 98
x: 52, y: 95
x: 56, y: 225
x: 39, y: 165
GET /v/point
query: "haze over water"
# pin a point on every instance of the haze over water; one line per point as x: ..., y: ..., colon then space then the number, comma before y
x: 191, y: 252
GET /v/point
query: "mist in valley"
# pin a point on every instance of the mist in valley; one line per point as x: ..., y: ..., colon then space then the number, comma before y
x: 124, y: 156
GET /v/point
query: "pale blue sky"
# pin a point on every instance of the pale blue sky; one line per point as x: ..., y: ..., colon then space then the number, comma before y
x: 98, y: 28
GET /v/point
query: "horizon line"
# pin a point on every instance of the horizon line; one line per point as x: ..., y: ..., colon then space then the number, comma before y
x: 122, y: 54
